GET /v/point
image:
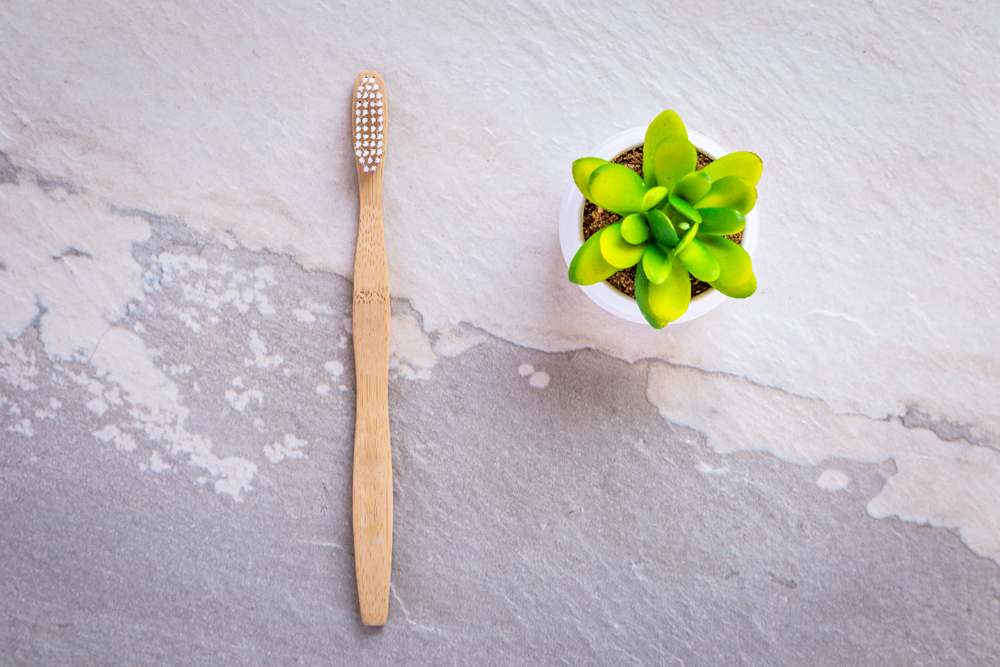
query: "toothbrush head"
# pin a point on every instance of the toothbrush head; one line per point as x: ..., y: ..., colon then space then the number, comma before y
x: 369, y: 121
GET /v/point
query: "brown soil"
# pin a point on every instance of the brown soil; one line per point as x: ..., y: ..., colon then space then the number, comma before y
x: 596, y: 218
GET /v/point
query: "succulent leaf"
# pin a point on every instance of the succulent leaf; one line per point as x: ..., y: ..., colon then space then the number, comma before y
x: 656, y: 264
x: 582, y: 169
x: 661, y: 227
x: 667, y: 125
x: 688, y: 237
x: 742, y: 163
x: 699, y: 262
x: 635, y: 229
x: 730, y: 192
x: 664, y: 303
x: 673, y: 159
x: 617, y: 188
x: 721, y: 221
x: 642, y: 286
x: 589, y: 266
x: 617, y: 251
x: 653, y: 198
x: 694, y: 186
x: 685, y: 209
x: 681, y: 224
x: 736, y: 278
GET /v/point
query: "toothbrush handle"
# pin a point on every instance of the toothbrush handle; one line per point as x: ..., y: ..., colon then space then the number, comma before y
x: 372, y: 454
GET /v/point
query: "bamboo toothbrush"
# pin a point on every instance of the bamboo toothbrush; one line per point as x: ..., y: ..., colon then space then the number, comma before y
x: 372, y: 456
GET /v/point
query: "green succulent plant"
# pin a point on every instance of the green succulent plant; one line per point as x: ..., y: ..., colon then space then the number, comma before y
x: 675, y: 220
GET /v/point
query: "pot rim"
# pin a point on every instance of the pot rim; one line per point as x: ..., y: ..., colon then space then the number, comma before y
x: 571, y: 233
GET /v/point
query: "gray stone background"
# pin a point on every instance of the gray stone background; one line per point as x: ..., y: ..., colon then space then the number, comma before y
x: 546, y: 515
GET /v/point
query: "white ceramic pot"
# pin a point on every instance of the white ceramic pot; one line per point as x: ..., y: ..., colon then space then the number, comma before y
x: 571, y: 232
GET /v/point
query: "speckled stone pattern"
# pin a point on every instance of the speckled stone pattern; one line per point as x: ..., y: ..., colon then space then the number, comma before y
x: 807, y: 477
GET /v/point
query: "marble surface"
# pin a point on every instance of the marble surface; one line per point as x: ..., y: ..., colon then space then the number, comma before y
x: 809, y: 476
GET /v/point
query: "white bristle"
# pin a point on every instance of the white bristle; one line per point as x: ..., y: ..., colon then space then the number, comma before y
x: 368, y: 144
